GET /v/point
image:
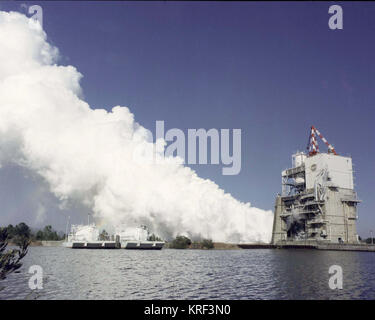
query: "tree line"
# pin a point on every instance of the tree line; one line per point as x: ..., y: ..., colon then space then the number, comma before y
x: 182, y: 242
x: 23, y: 231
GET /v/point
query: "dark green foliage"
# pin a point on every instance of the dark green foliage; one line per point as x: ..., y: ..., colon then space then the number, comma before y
x: 181, y: 242
x: 47, y: 234
x: 11, y: 231
x: 17, y: 233
x: 207, y: 244
x: 153, y: 237
x: 10, y: 260
x: 204, y: 244
x: 22, y: 231
x: 39, y: 235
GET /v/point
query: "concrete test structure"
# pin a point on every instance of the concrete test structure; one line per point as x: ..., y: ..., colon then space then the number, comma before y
x: 318, y: 202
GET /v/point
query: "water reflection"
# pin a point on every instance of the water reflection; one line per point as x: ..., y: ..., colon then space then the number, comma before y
x: 194, y: 274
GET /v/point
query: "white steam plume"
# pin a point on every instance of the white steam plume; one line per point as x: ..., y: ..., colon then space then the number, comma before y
x: 87, y: 155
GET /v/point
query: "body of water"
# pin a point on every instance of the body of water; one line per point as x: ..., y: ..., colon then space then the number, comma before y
x: 192, y: 274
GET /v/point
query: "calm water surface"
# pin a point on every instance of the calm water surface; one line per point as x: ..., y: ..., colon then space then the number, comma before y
x: 193, y: 274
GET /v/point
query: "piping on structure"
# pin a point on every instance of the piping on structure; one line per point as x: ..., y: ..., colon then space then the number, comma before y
x: 318, y: 201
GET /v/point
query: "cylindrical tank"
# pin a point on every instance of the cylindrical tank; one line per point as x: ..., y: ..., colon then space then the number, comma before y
x: 298, y: 159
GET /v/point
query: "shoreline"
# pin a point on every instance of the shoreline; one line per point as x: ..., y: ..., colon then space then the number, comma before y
x: 248, y: 246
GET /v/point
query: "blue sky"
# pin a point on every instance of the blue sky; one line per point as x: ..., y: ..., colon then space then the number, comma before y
x: 270, y: 69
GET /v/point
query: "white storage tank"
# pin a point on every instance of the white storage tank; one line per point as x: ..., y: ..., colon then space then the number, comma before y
x: 84, y: 233
x: 132, y: 233
x: 298, y: 159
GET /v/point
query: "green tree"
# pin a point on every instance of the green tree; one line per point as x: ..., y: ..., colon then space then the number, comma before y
x: 11, y: 231
x: 39, y: 235
x: 22, y: 230
x: 181, y: 242
x: 207, y: 244
x: 10, y: 260
x: 49, y: 234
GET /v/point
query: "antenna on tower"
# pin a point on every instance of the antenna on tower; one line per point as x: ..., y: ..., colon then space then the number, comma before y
x: 313, y: 147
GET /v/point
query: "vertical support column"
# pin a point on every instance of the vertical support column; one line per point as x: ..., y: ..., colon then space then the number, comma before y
x: 278, y: 232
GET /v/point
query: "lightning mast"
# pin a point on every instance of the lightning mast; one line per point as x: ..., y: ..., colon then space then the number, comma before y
x: 313, y: 147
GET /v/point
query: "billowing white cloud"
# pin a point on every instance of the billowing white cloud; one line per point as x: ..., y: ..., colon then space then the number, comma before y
x: 87, y: 155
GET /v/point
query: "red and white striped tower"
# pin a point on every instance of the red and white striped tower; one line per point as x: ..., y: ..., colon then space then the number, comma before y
x: 313, y: 147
